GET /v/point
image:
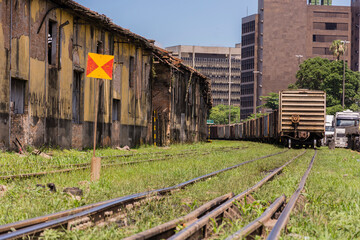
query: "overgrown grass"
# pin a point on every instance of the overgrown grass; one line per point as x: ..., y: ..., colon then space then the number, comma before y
x: 182, y: 202
x: 332, y: 206
x: 330, y: 200
x: 24, y: 200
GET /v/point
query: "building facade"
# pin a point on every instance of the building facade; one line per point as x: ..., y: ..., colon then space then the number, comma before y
x: 284, y: 41
x: 249, y: 64
x: 181, y: 99
x: 46, y: 98
x: 355, y: 35
x: 221, y: 64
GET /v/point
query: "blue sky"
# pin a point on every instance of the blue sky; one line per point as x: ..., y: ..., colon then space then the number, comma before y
x: 186, y: 22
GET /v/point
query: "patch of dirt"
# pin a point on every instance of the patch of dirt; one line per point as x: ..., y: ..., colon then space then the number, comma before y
x: 3, y: 190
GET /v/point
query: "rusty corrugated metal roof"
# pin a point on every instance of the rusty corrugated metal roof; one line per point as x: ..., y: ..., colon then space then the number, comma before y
x: 107, y: 23
x: 172, y: 61
x: 102, y: 19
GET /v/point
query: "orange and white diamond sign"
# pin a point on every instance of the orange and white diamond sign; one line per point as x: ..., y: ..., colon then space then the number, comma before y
x: 100, y: 66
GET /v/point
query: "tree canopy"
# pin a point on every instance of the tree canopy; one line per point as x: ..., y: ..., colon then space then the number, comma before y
x: 323, y: 74
x: 272, y: 101
x: 220, y: 114
x: 338, y: 48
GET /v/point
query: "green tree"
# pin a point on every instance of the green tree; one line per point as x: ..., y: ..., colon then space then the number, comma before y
x: 272, y: 101
x: 220, y: 114
x: 323, y: 74
x: 337, y: 48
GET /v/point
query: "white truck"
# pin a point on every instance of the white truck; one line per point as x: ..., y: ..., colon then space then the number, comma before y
x: 329, y: 130
x: 342, y: 120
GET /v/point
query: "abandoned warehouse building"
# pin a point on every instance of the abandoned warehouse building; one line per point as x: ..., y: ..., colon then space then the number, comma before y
x: 46, y: 98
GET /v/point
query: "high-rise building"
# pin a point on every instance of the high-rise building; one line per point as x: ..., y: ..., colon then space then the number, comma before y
x: 221, y: 64
x: 288, y: 33
x: 249, y: 64
x: 355, y: 35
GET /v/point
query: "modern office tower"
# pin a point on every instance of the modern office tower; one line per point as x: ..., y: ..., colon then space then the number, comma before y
x: 355, y: 35
x: 289, y: 32
x: 249, y: 69
x: 221, y: 64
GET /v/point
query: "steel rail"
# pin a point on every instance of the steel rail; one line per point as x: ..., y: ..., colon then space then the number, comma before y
x: 166, y: 230
x: 83, y: 166
x: 87, y: 165
x: 158, y: 153
x: 39, y: 224
x: 260, y: 221
x: 200, y: 223
x: 285, y: 215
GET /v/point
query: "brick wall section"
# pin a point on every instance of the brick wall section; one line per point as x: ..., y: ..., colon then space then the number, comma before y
x: 288, y: 30
x: 312, y: 18
x: 284, y: 37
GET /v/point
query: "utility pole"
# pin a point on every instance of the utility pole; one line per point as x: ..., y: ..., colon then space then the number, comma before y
x: 343, y: 95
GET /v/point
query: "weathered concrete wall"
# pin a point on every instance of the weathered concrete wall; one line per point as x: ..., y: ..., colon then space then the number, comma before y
x: 178, y: 93
x: 49, y: 85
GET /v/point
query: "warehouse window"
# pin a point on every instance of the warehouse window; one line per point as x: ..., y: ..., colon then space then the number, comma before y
x: 100, y: 47
x: 52, y: 42
x: 111, y: 44
x: 131, y: 72
x: 17, y: 95
x: 76, y: 100
x: 116, y: 109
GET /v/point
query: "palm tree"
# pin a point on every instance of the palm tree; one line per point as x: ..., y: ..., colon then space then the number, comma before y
x: 337, y: 48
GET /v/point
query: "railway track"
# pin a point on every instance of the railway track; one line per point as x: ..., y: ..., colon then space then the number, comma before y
x: 83, y: 166
x: 97, y: 213
x: 199, y: 224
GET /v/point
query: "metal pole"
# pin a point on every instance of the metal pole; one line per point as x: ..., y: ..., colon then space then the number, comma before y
x: 255, y: 93
x: 95, y: 162
x: 343, y: 95
x: 155, y: 128
x: 10, y: 60
x: 229, y: 86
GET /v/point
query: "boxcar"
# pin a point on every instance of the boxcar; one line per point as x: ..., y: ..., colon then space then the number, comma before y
x: 302, y: 117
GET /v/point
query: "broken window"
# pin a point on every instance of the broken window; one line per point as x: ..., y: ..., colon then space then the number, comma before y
x: 52, y: 42
x: 17, y: 95
x: 116, y: 109
x: 76, y: 97
x: 146, y: 76
x: 100, y: 48
x: 111, y: 44
x: 131, y: 72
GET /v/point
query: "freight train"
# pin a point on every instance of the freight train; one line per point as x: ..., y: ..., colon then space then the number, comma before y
x: 299, y: 122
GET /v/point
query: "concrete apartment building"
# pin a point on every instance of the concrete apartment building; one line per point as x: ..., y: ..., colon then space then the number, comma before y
x: 214, y: 62
x: 287, y: 33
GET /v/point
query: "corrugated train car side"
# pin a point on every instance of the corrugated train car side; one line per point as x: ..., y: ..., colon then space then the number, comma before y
x: 262, y: 129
